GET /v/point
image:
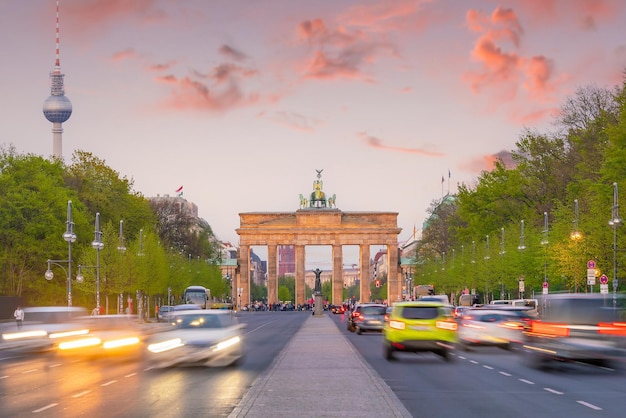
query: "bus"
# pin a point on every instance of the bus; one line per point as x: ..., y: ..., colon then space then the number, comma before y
x: 197, y: 295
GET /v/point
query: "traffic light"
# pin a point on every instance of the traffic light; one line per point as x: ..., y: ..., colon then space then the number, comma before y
x: 377, y: 283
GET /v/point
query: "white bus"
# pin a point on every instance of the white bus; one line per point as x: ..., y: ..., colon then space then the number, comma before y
x: 197, y: 295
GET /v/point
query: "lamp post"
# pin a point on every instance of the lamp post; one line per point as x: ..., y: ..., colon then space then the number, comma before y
x: 521, y: 247
x: 120, y: 247
x: 544, y: 242
x: 615, y: 222
x: 98, y: 245
x: 69, y: 236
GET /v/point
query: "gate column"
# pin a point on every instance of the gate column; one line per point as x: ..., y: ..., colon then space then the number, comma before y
x: 394, y: 290
x: 243, y: 295
x: 272, y: 278
x: 300, y: 288
x: 337, y: 279
x: 364, y: 256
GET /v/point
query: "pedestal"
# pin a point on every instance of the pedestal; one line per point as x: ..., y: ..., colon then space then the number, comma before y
x: 318, y: 310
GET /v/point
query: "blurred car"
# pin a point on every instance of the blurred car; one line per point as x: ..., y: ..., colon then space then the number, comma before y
x: 578, y: 327
x: 492, y: 327
x: 197, y: 337
x: 108, y: 336
x: 420, y: 326
x: 164, y: 313
x: 337, y: 309
x: 388, y: 312
x: 356, y: 311
x: 369, y: 317
x: 459, y: 310
x: 42, y: 326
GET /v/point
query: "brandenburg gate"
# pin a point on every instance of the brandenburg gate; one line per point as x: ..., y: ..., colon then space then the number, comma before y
x: 318, y: 222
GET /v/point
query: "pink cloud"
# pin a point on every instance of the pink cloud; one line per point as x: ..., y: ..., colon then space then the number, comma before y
x: 501, y: 67
x: 375, y: 142
x: 232, y: 53
x: 293, y: 121
x: 487, y: 162
x: 87, y: 15
x: 127, y: 54
x: 341, y: 52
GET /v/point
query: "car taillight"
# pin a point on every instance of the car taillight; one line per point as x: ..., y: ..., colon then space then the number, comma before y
x: 447, y: 325
x: 397, y: 325
x: 612, y: 328
x: 551, y: 329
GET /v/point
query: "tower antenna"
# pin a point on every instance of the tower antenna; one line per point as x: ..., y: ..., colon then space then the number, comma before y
x: 57, y: 108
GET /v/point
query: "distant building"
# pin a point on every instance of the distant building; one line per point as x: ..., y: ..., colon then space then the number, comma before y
x: 286, y: 260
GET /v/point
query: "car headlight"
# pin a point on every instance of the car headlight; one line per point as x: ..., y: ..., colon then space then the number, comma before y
x: 228, y: 343
x: 122, y: 342
x: 25, y: 334
x: 165, y: 345
x: 83, y: 342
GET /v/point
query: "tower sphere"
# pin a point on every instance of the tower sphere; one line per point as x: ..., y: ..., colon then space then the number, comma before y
x: 57, y: 109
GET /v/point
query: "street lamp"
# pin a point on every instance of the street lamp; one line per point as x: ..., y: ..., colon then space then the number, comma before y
x: 69, y: 236
x: 521, y: 245
x: 576, y: 235
x: 98, y: 245
x: 544, y: 242
x: 615, y: 222
x: 121, y: 248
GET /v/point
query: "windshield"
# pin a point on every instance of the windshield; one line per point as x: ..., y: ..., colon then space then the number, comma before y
x: 204, y: 321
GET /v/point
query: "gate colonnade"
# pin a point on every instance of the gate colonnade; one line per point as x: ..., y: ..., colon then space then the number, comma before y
x: 319, y: 226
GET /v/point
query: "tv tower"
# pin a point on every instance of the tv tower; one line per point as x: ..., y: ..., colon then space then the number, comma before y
x: 57, y: 108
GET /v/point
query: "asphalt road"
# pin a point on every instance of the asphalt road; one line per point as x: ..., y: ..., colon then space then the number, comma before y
x: 486, y: 382
x: 491, y: 382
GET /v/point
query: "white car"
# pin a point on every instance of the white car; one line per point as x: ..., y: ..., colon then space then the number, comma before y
x: 43, y: 326
x: 492, y: 327
x: 206, y: 337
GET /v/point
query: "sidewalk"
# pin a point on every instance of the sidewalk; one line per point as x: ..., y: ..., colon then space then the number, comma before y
x: 319, y: 374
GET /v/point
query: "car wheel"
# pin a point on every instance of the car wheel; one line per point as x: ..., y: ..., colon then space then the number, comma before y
x: 359, y: 331
x: 388, y: 352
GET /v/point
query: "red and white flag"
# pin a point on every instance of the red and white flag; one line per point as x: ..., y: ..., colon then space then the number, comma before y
x: 180, y: 189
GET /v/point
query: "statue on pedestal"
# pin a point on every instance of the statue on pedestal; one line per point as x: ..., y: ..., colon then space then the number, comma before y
x: 318, y: 281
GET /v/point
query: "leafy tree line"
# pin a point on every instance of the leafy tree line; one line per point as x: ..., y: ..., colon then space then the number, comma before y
x: 518, y: 220
x: 154, y: 248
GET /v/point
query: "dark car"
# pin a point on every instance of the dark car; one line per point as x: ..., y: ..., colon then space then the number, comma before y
x: 367, y: 317
x: 578, y: 327
x: 164, y: 313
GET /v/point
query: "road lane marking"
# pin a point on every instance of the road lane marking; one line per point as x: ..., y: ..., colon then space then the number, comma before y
x: 3, y: 377
x: 473, y: 361
x: 556, y: 392
x: 487, y: 367
x: 506, y: 374
x: 55, y: 365
x: 588, y: 405
x: 527, y: 381
x: 29, y: 371
x: 462, y: 357
x: 78, y: 395
x: 130, y: 375
x: 109, y: 383
x: 52, y: 405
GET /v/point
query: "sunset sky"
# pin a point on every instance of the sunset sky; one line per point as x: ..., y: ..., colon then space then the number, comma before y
x: 240, y: 101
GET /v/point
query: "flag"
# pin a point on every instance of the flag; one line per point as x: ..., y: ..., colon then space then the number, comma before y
x: 180, y: 189
x: 449, y: 174
x: 442, y: 180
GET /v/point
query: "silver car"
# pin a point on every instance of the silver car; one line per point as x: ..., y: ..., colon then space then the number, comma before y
x: 197, y: 337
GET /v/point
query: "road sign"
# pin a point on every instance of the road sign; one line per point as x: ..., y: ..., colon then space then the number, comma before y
x: 604, y: 289
x: 604, y: 279
x: 591, y: 276
x: 591, y: 264
x: 545, y: 288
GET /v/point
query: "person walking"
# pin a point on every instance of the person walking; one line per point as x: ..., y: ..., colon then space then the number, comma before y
x: 19, y: 316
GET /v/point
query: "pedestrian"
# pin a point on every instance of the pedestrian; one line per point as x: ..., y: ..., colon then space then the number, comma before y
x: 19, y: 316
